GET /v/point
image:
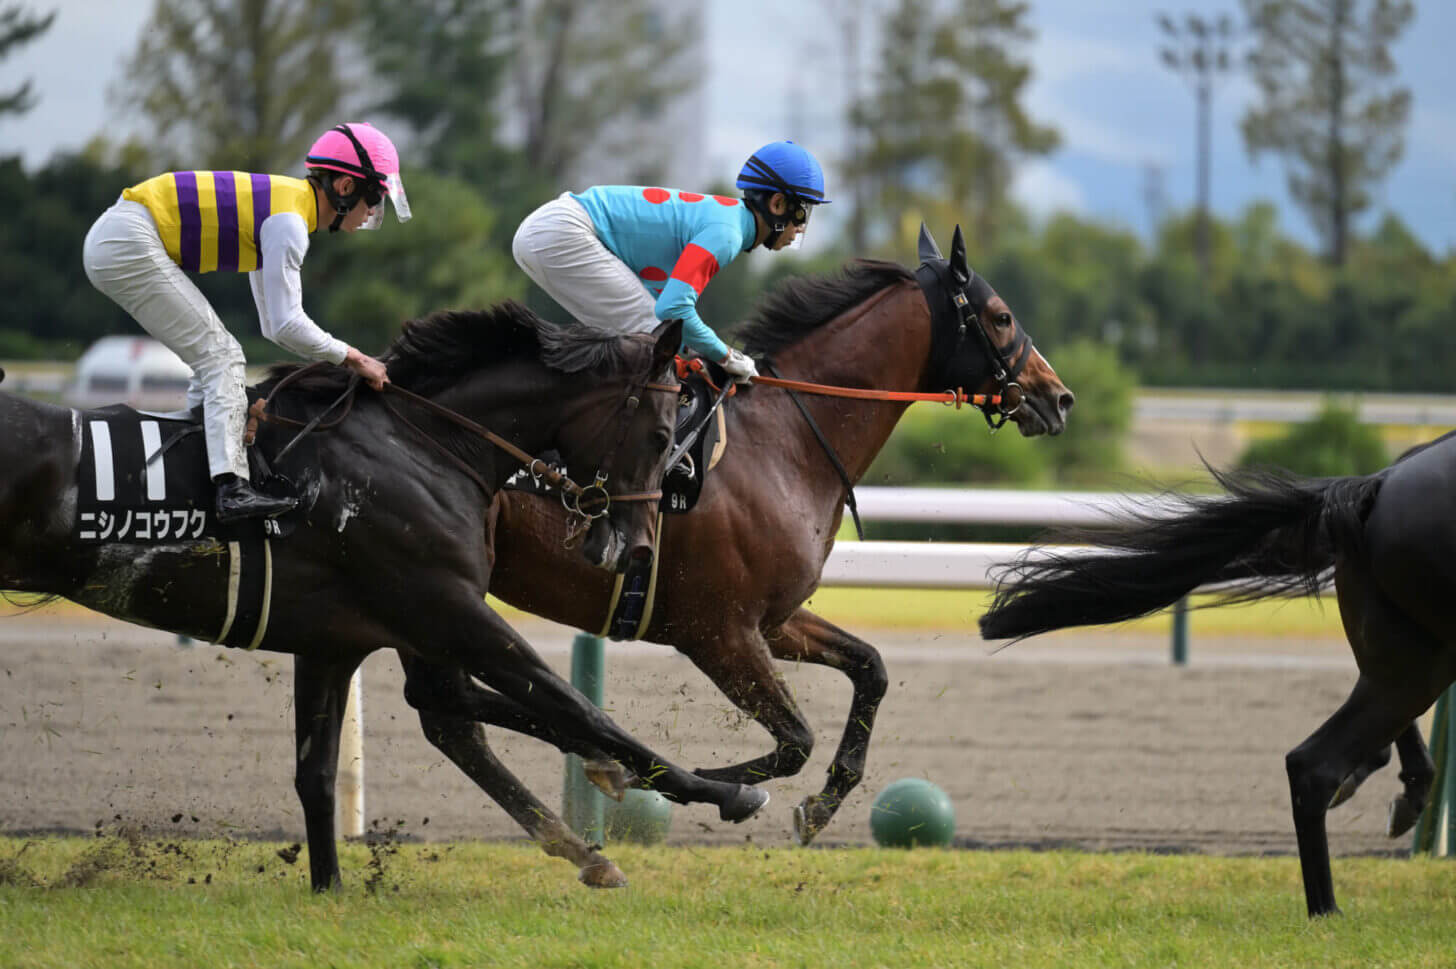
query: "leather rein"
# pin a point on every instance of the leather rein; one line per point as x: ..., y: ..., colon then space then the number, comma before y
x: 596, y: 496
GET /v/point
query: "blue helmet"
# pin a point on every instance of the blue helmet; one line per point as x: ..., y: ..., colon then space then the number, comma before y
x: 783, y: 166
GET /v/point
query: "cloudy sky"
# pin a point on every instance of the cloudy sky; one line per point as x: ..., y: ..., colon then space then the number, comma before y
x: 775, y: 68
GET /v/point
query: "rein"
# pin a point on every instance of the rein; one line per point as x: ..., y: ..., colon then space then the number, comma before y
x: 956, y: 397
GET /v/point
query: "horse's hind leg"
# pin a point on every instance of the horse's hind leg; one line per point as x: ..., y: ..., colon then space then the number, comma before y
x: 449, y: 705
x: 810, y: 639
x: 485, y: 646
x: 1417, y: 773
x: 451, y: 692
x: 320, y: 691
x: 463, y: 741
x: 1371, y: 717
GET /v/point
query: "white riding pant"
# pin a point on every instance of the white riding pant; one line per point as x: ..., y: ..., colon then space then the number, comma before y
x: 558, y: 248
x: 125, y: 259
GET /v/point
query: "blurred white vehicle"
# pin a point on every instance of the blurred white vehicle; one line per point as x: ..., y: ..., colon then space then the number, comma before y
x: 133, y: 370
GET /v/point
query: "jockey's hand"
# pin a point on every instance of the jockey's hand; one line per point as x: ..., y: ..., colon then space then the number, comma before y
x: 367, y: 367
x: 740, y: 365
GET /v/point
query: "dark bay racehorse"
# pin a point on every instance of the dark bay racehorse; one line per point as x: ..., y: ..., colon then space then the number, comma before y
x: 388, y: 546
x: 736, y: 570
x: 1387, y: 540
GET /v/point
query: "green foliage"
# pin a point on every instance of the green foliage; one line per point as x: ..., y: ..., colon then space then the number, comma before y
x: 1335, y: 443
x: 1091, y: 450
x: 938, y: 445
x: 368, y: 283
x: 1328, y: 106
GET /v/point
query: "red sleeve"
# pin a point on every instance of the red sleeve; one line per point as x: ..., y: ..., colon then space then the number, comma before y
x: 696, y: 267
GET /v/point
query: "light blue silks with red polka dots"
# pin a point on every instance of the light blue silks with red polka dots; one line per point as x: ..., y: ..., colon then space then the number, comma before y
x: 675, y: 242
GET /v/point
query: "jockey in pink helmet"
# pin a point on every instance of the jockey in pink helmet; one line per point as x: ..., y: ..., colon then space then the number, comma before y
x: 139, y: 251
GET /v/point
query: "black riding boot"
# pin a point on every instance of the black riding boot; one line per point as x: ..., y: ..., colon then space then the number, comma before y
x: 237, y: 500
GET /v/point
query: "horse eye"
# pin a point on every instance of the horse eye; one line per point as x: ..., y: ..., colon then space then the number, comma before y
x: 1003, y: 319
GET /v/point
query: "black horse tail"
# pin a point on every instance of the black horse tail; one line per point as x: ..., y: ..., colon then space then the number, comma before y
x: 1273, y: 533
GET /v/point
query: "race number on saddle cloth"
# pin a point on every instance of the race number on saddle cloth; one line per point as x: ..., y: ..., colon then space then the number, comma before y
x: 139, y: 250
x: 623, y: 257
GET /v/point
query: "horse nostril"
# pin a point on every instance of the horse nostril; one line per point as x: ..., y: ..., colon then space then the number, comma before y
x: 1065, y: 402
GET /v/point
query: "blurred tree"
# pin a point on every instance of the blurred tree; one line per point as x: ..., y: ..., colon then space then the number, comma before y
x: 18, y: 26
x: 441, y: 66
x: 944, y: 121
x: 1333, y: 444
x: 1324, y: 70
x: 1197, y: 49
x: 242, y: 84
x: 597, y: 76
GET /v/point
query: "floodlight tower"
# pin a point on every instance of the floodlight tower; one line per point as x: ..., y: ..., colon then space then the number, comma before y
x: 1198, y: 50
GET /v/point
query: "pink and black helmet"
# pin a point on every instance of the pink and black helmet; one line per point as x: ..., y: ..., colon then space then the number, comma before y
x: 361, y: 150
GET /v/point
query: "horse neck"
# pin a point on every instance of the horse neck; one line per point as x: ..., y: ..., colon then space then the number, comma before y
x: 881, y: 344
x: 524, y: 402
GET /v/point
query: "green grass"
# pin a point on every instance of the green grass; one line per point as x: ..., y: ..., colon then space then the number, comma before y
x: 507, y: 905
x: 949, y: 609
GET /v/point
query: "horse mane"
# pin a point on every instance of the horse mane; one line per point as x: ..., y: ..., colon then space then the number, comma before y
x: 801, y: 305
x: 435, y: 351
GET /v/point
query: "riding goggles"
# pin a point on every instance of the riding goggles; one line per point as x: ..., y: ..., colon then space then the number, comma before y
x: 373, y: 195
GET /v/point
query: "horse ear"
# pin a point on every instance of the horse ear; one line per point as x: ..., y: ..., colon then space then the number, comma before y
x: 928, y: 249
x: 669, y: 341
x: 958, y: 266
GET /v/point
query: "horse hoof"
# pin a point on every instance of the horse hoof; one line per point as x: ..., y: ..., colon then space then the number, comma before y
x: 1403, y: 816
x: 603, y: 874
x: 810, y: 817
x: 609, y: 777
x: 744, y: 804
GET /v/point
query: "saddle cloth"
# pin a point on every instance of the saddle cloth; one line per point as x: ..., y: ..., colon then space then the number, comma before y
x: 143, y: 480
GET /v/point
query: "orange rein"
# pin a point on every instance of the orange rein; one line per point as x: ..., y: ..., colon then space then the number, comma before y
x: 956, y: 397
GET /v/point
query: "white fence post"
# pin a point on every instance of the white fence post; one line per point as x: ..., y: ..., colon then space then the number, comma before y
x: 349, y: 784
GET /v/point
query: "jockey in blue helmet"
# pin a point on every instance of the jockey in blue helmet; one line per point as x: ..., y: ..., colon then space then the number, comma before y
x: 624, y: 257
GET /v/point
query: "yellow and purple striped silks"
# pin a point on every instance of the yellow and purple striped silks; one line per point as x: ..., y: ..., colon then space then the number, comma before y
x: 209, y: 221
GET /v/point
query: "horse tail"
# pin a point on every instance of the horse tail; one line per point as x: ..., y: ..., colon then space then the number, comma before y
x: 1272, y: 533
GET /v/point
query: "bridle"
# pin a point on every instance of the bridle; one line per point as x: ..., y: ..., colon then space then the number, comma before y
x: 586, y: 503
x: 956, y: 297
x: 956, y: 303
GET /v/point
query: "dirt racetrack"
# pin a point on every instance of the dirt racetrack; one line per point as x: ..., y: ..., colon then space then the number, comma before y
x: 1084, y: 740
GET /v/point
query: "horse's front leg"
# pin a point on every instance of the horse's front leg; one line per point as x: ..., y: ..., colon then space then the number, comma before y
x: 806, y: 638
x: 320, y: 690
x: 449, y: 705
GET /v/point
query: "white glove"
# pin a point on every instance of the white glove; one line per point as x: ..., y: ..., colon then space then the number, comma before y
x: 740, y: 365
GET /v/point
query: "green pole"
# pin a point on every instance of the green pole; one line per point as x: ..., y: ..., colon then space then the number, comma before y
x: 1180, y: 633
x: 1436, y: 830
x: 581, y: 803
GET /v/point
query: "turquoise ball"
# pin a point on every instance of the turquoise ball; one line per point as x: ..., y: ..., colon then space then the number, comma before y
x: 643, y: 817
x: 912, y: 812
